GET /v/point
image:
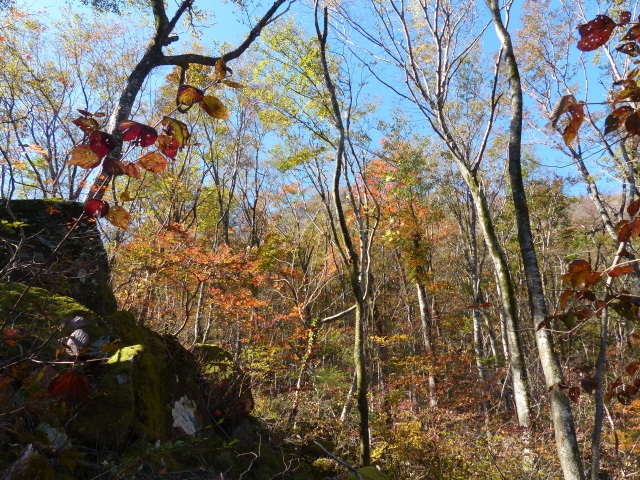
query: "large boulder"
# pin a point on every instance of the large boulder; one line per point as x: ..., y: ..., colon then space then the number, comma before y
x: 123, y: 382
x: 32, y: 230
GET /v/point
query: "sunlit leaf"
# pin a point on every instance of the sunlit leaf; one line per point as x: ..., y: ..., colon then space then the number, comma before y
x: 96, y: 208
x: 623, y: 228
x: 144, y: 135
x: 232, y: 84
x: 620, y: 270
x: 214, y: 107
x: 86, y: 124
x: 176, y: 129
x: 627, y: 230
x: 102, y: 143
x: 616, y: 118
x: 132, y: 170
x: 188, y: 95
x: 154, y: 162
x: 119, y: 217
x: 564, y: 298
x: 126, y: 196
x: 221, y: 70
x: 168, y: 145
x: 69, y: 386
x: 577, y: 117
x: 561, y: 106
x: 580, y: 273
x: 595, y: 33
x: 83, y: 156
x: 630, y: 93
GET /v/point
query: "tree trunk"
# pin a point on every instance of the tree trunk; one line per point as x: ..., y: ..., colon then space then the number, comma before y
x: 565, y: 434
x: 426, y: 323
x: 508, y: 302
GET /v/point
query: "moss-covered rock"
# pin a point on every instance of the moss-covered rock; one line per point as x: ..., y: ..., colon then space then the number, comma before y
x: 371, y: 473
x: 31, y: 465
x: 78, y: 269
x: 142, y: 385
x: 229, y: 395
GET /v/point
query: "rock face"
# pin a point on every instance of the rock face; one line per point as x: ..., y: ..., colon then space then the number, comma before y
x: 30, y: 230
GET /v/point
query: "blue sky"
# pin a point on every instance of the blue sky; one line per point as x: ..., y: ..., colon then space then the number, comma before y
x: 228, y: 27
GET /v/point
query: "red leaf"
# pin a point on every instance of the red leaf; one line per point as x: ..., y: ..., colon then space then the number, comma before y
x: 96, y: 208
x: 132, y: 131
x: 620, y: 270
x: 624, y: 18
x: 102, y: 143
x: 564, y: 297
x: 69, y: 386
x: 579, y: 272
x: 633, y: 208
x: 595, y: 33
x: 111, y: 166
x: 188, y: 95
x: 563, y: 105
x: 168, y: 146
x: 623, y: 227
x: 574, y: 393
x: 633, y: 33
x: 632, y: 123
x: 632, y: 367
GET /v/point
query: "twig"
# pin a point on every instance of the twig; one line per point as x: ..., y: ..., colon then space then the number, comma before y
x: 341, y: 462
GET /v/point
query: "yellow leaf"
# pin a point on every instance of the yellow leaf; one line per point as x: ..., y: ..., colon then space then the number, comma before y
x: 119, y: 217
x: 232, y: 84
x: 214, y: 107
x: 126, y: 196
x: 82, y: 156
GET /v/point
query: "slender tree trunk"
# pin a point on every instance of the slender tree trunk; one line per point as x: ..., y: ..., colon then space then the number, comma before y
x: 197, y: 328
x: 426, y: 324
x: 566, y: 441
x: 306, y: 361
x: 359, y: 275
x: 508, y: 302
x: 361, y: 384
